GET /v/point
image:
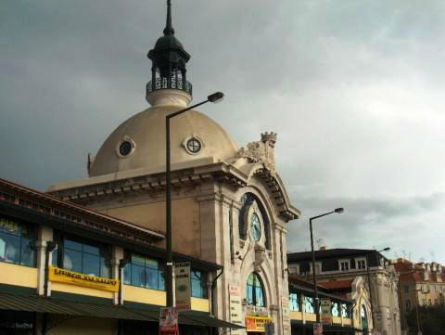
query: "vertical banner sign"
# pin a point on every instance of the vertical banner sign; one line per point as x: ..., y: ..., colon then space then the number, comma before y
x: 326, y: 314
x: 318, y: 329
x: 168, y: 321
x: 235, y: 308
x: 182, y: 286
x: 285, y: 311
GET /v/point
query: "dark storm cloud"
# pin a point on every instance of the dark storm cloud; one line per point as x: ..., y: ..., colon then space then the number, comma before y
x: 353, y: 88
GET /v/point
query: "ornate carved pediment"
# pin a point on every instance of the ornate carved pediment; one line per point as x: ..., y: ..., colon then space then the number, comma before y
x: 261, y: 151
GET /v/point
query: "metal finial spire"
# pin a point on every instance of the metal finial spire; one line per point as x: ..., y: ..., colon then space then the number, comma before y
x: 168, y: 30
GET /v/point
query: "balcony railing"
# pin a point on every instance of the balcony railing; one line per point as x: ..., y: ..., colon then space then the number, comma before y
x: 169, y: 83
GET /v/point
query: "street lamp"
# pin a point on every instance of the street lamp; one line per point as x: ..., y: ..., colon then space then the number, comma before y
x: 314, y: 277
x: 369, y: 284
x: 215, y: 97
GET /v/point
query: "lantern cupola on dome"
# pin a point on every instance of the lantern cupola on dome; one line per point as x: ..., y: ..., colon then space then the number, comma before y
x: 168, y: 65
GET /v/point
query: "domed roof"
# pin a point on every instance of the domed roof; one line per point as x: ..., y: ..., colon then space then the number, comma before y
x: 139, y: 142
x: 168, y: 42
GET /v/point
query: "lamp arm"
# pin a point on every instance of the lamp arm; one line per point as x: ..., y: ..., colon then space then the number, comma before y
x: 321, y: 215
x: 172, y: 115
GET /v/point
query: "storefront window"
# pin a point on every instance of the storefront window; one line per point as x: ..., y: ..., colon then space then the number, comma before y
x: 294, y: 304
x: 14, y: 322
x: 345, y: 311
x: 254, y: 291
x: 309, y: 305
x: 335, y: 309
x: 199, y: 285
x: 144, y: 272
x: 85, y: 258
x: 16, y: 242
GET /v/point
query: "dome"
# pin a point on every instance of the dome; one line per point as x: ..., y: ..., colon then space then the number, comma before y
x: 139, y: 142
x: 168, y: 42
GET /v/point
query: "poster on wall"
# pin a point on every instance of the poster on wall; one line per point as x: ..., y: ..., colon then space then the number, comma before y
x: 326, y: 314
x: 182, y: 286
x: 168, y: 321
x: 236, y: 316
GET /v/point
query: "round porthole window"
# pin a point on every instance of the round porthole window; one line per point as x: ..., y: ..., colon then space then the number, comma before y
x: 125, y: 148
x: 193, y: 145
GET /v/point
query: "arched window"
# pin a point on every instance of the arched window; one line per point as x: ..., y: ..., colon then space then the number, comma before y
x: 255, y: 291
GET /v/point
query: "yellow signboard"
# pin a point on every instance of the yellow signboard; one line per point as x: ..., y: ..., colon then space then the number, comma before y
x: 257, y: 323
x: 80, y: 279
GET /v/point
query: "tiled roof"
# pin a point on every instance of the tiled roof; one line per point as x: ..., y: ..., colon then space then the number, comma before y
x: 337, y: 284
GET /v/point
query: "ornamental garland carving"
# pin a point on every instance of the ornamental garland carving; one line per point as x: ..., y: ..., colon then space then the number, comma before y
x: 261, y: 151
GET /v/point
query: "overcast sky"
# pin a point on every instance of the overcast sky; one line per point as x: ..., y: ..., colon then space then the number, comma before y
x: 354, y: 89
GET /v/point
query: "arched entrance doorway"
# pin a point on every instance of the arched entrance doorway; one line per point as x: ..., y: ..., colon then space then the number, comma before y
x: 364, y: 319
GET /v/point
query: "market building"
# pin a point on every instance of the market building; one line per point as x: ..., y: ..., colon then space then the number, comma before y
x: 66, y: 269
x: 338, y: 321
x: 229, y: 205
x: 364, y: 276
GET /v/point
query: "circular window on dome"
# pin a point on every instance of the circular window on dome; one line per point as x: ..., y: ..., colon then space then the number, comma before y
x: 125, y: 147
x: 193, y: 145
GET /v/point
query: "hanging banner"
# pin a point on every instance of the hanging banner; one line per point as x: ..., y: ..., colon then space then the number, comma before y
x: 168, y: 321
x: 326, y: 314
x: 257, y: 323
x: 182, y: 287
x: 59, y: 275
x: 235, y: 308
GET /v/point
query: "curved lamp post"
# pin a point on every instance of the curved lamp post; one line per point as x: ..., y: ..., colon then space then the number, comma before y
x: 215, y: 97
x: 314, y: 277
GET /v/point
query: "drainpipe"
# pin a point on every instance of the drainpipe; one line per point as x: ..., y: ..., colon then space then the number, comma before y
x: 212, y: 290
x: 50, y: 246
x: 122, y: 263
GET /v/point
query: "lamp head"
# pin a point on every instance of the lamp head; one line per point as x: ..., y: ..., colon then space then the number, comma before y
x: 215, y: 97
x: 339, y: 210
x: 386, y: 249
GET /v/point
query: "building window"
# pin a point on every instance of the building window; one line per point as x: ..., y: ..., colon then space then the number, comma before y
x: 16, y: 242
x: 88, y: 258
x: 344, y: 265
x: 294, y: 303
x: 408, y: 305
x: 255, y: 291
x: 193, y: 145
x: 15, y: 322
x: 345, y: 311
x: 199, y: 284
x: 361, y: 264
x: 144, y: 272
x: 335, y: 309
x: 309, y: 305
